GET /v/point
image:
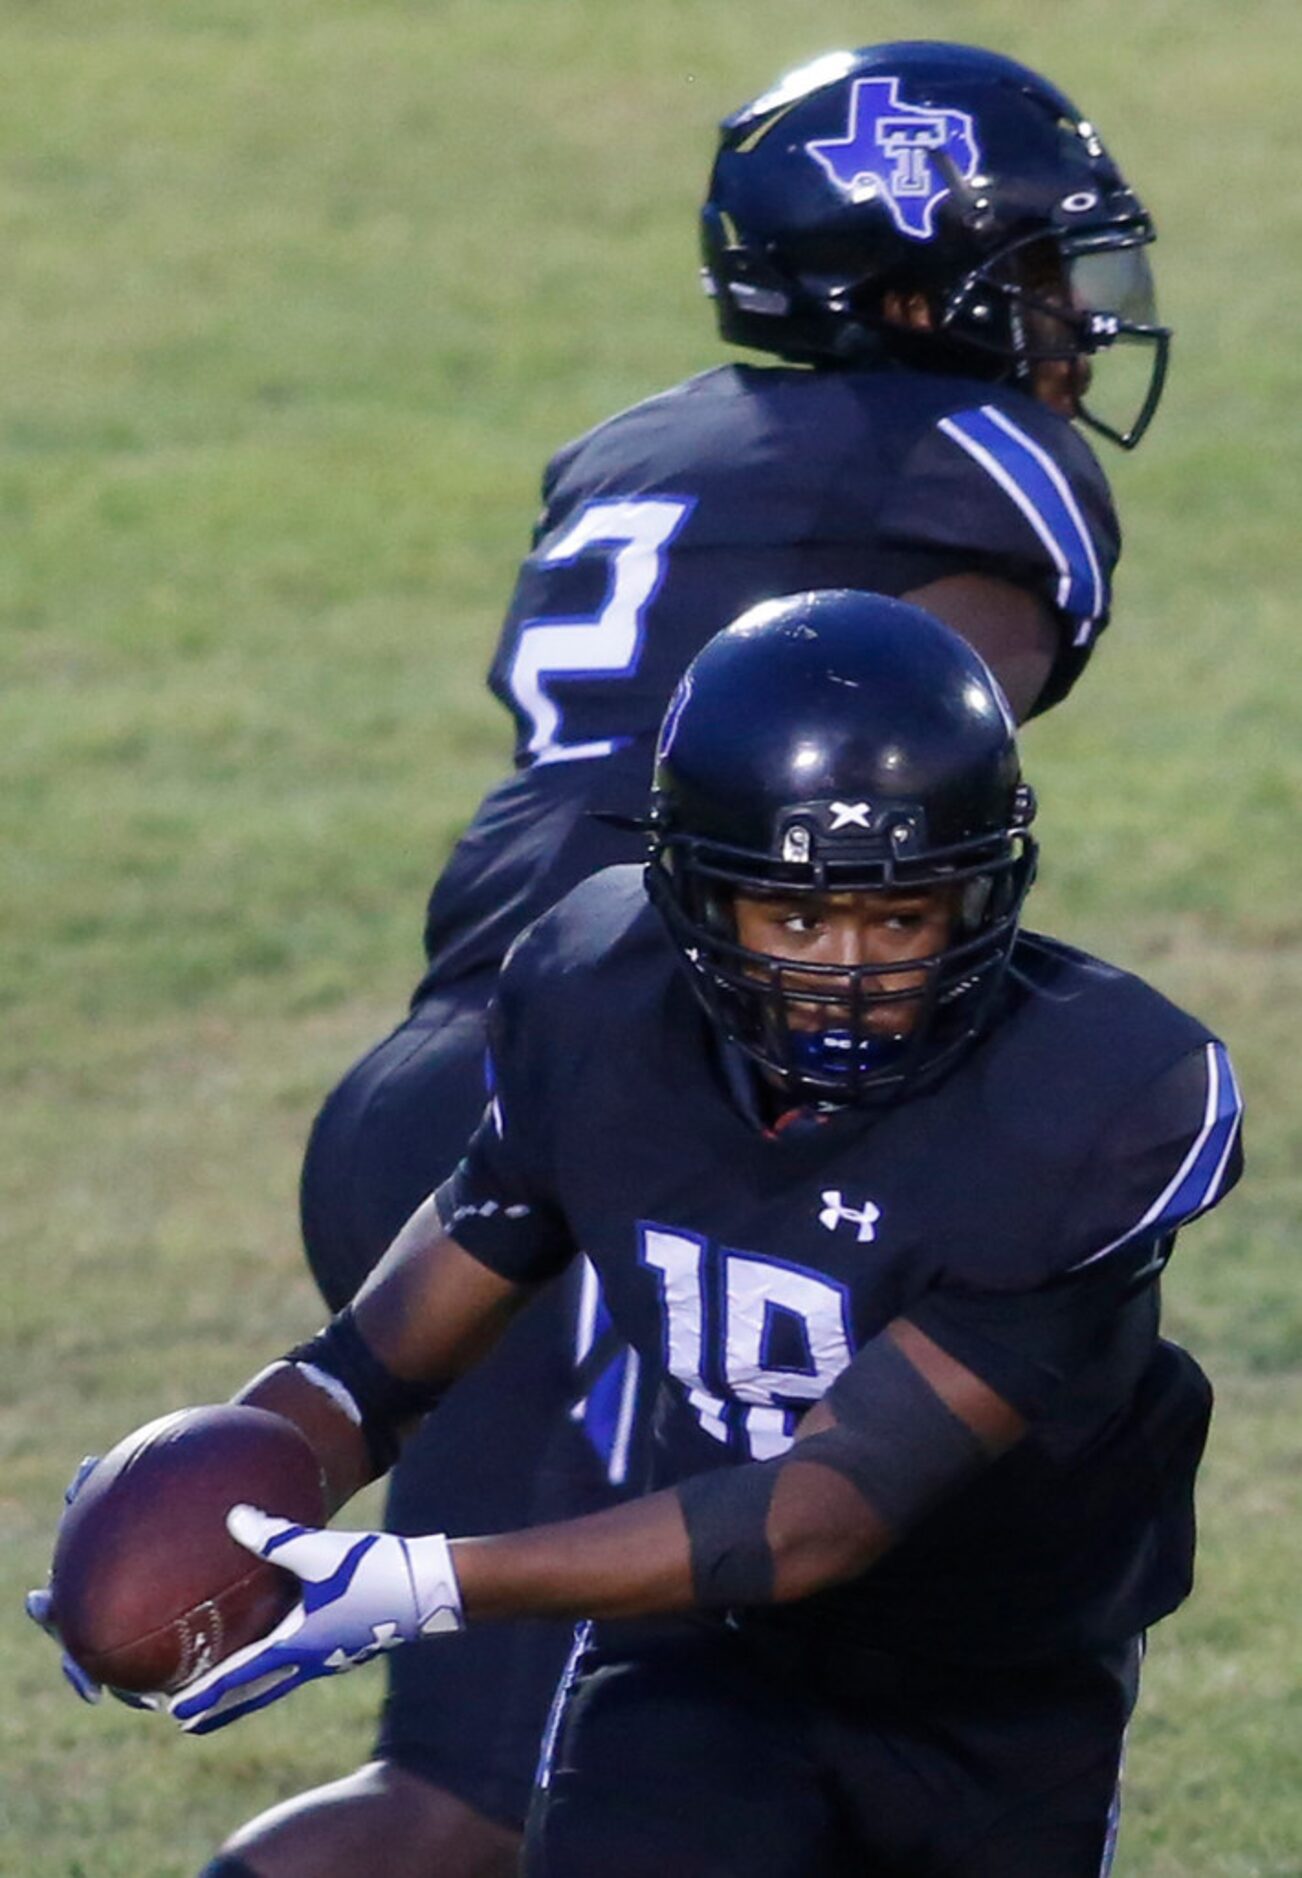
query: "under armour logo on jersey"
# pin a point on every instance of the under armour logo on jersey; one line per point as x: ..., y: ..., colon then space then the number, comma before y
x: 890, y: 152
x: 836, y: 1213
x: 850, y: 815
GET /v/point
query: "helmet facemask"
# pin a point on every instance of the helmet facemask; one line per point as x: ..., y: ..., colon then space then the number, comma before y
x: 1084, y: 302
x: 771, y: 1007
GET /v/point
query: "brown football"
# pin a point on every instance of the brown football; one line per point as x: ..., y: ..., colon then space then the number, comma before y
x: 149, y: 1589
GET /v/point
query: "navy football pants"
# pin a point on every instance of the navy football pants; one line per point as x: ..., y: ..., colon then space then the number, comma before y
x: 686, y: 1748
x: 466, y: 1712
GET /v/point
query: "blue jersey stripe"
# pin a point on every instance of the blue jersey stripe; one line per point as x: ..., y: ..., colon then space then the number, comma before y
x: 606, y: 1414
x: 1199, y: 1180
x: 1202, y: 1183
x: 1026, y: 473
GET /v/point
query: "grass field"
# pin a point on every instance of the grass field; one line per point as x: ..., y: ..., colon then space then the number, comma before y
x: 296, y: 301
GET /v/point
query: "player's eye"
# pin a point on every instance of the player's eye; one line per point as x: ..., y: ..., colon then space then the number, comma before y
x: 802, y: 925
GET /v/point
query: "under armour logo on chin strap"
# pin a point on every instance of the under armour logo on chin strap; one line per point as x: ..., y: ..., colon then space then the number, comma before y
x: 835, y: 1213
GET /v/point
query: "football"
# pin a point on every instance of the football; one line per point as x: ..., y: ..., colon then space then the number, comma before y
x: 149, y: 1589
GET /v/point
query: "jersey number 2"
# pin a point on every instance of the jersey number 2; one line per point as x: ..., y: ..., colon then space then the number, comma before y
x: 634, y: 535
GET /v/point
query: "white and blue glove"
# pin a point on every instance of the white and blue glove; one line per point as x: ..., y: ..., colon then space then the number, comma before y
x: 363, y: 1593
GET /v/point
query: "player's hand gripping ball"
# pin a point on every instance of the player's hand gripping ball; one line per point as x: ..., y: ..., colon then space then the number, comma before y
x: 148, y: 1590
x: 362, y: 1593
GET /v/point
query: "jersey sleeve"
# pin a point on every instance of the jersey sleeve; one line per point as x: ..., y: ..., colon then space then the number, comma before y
x: 499, y: 1204
x: 1023, y: 498
x: 1169, y: 1157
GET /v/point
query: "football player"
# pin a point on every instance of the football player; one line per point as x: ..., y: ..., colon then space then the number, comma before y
x: 883, y: 1188
x: 950, y: 267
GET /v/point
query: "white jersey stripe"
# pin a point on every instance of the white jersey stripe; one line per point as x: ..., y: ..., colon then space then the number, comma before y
x: 1225, y: 1128
x: 1068, y: 498
x: 1027, y: 473
x: 1215, y: 1183
x: 995, y: 469
x: 585, y: 1323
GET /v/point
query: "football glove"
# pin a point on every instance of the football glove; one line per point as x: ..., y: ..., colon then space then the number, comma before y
x: 363, y: 1593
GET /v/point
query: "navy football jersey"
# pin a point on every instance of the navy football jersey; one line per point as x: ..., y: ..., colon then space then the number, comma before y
x: 1019, y: 1211
x: 660, y: 526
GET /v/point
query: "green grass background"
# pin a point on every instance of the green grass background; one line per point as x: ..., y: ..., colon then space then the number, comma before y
x: 295, y: 301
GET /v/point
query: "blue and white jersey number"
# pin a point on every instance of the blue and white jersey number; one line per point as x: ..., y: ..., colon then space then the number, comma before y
x: 633, y: 534
x: 747, y: 1337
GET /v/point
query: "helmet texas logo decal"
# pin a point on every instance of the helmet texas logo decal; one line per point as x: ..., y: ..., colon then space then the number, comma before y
x: 889, y: 152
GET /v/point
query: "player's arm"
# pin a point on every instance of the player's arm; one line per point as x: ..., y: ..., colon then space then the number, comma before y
x: 355, y: 1391
x: 902, y: 1427
x: 1013, y: 628
x: 430, y: 1310
x: 1013, y: 511
x: 922, y: 1410
x: 906, y: 1424
x: 427, y: 1312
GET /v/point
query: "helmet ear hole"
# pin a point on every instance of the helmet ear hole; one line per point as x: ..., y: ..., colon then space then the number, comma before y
x: 718, y: 911
x: 974, y: 903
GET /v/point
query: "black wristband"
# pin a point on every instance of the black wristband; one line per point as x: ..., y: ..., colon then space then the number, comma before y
x: 383, y: 1401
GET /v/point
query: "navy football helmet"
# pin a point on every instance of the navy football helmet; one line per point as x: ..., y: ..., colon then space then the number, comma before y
x: 830, y: 743
x: 946, y: 172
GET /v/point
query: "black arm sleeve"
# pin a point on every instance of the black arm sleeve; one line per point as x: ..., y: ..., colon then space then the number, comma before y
x: 895, y: 1441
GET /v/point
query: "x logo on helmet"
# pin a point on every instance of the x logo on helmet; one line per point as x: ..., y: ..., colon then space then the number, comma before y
x: 850, y: 815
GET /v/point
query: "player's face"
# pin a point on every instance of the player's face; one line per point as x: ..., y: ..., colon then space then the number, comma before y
x: 887, y: 931
x: 1060, y: 384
